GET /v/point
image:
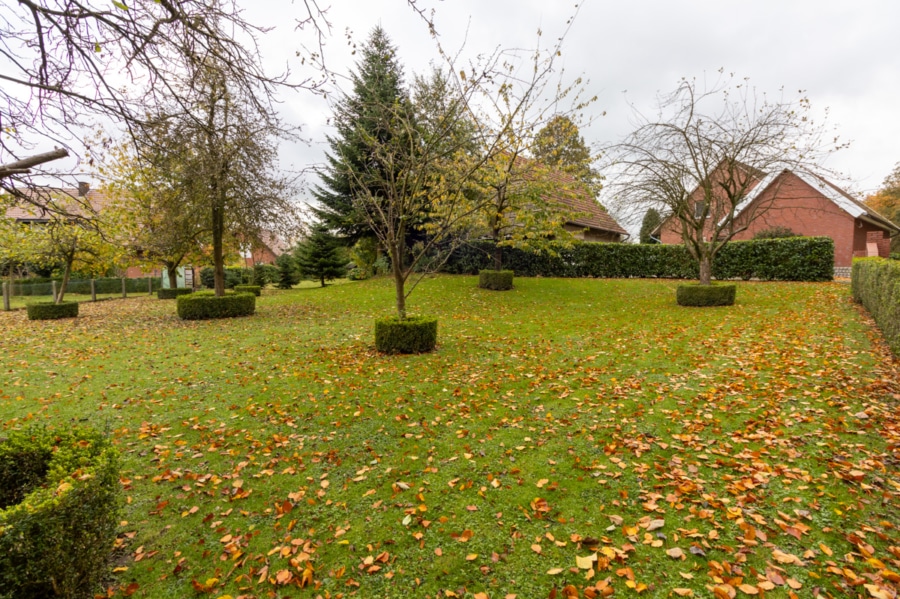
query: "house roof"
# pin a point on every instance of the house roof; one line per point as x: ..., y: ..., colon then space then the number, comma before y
x: 68, y: 199
x: 589, y: 211
x: 829, y: 190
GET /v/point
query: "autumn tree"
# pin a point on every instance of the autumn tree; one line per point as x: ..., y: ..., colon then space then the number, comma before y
x: 651, y: 221
x: 157, y: 201
x: 705, y: 150
x: 560, y: 145
x: 886, y: 201
x: 318, y: 256
x: 421, y: 178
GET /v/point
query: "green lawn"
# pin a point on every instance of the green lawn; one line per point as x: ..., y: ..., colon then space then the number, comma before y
x: 567, y: 438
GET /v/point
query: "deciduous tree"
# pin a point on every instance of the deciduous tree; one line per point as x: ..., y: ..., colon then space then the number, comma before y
x: 886, y: 201
x: 705, y: 150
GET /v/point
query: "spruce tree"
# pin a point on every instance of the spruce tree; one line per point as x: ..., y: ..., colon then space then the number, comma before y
x: 651, y: 221
x: 287, y: 271
x: 318, y: 256
x: 363, y: 120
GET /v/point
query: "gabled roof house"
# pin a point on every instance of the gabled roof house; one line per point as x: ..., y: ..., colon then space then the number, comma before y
x: 808, y: 205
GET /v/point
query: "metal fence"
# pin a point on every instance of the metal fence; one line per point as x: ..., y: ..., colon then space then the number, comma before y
x: 91, y: 287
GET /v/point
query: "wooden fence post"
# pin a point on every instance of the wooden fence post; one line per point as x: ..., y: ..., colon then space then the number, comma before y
x: 124, y: 293
x: 53, y: 290
x: 93, y: 290
x: 6, y: 296
x: 149, y: 285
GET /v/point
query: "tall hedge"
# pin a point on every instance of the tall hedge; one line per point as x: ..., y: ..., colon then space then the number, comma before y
x: 875, y: 283
x: 59, y: 509
x: 788, y: 259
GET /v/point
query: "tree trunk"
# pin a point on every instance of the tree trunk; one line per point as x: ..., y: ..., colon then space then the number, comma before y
x: 172, y: 271
x: 705, y: 269
x: 65, y: 281
x: 399, y: 282
x: 323, y: 280
x: 218, y: 231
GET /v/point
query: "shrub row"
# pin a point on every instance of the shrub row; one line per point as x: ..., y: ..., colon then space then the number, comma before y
x: 413, y: 335
x: 59, y: 510
x: 51, y: 311
x: 786, y: 259
x: 204, y: 305
x: 233, y: 276
x: 496, y: 280
x: 875, y: 283
x: 173, y: 292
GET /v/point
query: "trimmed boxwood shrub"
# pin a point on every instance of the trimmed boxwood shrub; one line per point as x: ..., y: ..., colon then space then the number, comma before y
x: 875, y: 282
x: 254, y: 289
x: 59, y: 509
x: 51, y: 311
x: 497, y: 280
x: 788, y: 259
x: 173, y: 293
x: 414, y: 335
x: 705, y: 295
x: 205, y: 305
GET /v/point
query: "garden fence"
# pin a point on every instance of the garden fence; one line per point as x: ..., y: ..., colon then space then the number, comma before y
x: 88, y: 287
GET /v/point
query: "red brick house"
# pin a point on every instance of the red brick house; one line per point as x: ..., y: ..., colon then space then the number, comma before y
x: 811, y: 206
x: 590, y: 220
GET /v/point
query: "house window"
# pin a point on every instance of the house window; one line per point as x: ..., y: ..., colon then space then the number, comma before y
x: 698, y: 209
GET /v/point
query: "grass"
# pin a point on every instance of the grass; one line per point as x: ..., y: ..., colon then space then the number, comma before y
x: 750, y: 448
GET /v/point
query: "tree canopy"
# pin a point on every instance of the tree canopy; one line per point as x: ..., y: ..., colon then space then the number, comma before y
x: 886, y: 201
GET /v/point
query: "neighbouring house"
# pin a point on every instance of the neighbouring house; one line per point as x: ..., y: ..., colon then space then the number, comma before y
x: 83, y: 200
x: 266, y: 249
x: 810, y: 206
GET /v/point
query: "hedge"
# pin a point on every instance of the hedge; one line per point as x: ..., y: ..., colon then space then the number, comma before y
x: 205, y: 305
x: 875, y: 282
x: 254, y: 289
x: 59, y: 509
x: 496, y: 280
x: 233, y: 276
x: 51, y: 311
x: 786, y: 259
x: 413, y: 335
x: 173, y: 292
x: 705, y: 295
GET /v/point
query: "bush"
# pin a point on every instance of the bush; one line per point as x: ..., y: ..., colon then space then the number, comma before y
x: 357, y: 274
x: 705, y: 295
x: 264, y: 274
x: 51, y: 311
x: 875, y: 282
x: 254, y: 289
x: 208, y: 277
x: 415, y: 334
x: 59, y: 509
x: 204, y: 306
x: 173, y: 293
x: 498, y: 280
x: 776, y: 232
x: 788, y: 259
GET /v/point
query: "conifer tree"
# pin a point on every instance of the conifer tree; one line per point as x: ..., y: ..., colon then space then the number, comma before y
x: 365, y: 120
x: 650, y: 222
x: 318, y: 256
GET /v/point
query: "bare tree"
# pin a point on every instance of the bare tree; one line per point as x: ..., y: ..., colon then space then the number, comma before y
x: 704, y: 152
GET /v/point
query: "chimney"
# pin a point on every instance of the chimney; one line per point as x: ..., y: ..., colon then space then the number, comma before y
x: 83, y: 188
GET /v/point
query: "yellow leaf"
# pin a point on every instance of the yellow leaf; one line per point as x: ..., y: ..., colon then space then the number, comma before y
x: 683, y: 592
x: 675, y: 553
x: 536, y: 548
x: 586, y: 562
x: 554, y: 571
x: 749, y: 589
x: 471, y: 557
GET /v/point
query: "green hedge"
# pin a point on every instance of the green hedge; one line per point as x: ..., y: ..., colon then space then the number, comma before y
x: 496, y: 280
x: 414, y: 335
x: 875, y: 283
x: 705, y: 295
x: 233, y: 276
x: 205, y: 305
x: 172, y: 293
x: 106, y: 285
x: 59, y: 509
x: 254, y: 289
x: 787, y: 259
x: 51, y: 311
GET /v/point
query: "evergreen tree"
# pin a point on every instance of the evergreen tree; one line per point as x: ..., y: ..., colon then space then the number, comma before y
x: 651, y: 221
x: 560, y: 145
x: 287, y: 271
x: 364, y: 120
x: 318, y: 256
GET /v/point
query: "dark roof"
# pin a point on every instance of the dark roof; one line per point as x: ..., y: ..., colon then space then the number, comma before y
x: 578, y: 199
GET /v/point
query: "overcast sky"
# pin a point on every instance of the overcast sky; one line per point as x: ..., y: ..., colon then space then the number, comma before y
x: 845, y: 56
